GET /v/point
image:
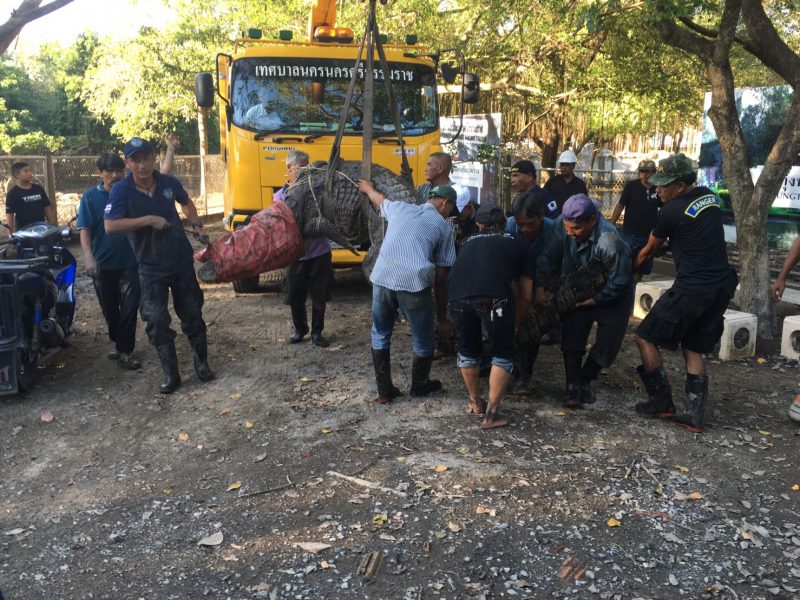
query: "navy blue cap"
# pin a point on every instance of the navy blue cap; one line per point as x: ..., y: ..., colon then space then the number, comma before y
x: 137, y: 144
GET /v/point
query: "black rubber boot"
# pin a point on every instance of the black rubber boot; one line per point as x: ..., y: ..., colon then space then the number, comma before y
x: 693, y: 417
x: 200, y: 351
x: 169, y: 363
x: 300, y: 323
x: 383, y: 376
x: 572, y: 371
x: 523, y: 381
x: 659, y: 393
x: 421, y: 384
x: 317, y: 325
x: 589, y: 373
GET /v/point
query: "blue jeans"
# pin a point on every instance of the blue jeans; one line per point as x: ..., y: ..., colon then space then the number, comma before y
x: 417, y: 307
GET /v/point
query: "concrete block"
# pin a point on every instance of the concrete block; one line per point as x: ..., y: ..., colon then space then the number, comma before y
x: 790, y: 339
x: 738, y: 335
x: 647, y: 293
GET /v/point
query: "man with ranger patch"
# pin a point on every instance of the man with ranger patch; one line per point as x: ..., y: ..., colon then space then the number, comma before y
x: 691, y: 313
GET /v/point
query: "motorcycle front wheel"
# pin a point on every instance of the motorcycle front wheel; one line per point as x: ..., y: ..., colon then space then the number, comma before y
x: 27, y: 364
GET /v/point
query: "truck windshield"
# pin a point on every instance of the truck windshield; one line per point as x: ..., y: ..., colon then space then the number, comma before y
x: 306, y: 95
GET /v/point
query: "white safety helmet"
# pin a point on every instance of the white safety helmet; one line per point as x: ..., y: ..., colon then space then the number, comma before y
x: 567, y: 156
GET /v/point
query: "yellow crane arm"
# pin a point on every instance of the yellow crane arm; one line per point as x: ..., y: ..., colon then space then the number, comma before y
x: 323, y: 12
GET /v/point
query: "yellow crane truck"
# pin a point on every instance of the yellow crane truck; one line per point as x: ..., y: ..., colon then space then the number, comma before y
x: 277, y: 95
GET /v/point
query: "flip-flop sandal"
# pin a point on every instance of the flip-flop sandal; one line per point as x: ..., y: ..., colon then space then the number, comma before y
x: 480, y: 405
x: 495, y: 423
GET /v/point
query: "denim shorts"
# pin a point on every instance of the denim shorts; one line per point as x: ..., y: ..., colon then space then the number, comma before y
x: 498, y: 316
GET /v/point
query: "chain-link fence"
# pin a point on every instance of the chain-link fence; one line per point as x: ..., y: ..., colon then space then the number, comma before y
x: 65, y: 178
x: 603, y: 186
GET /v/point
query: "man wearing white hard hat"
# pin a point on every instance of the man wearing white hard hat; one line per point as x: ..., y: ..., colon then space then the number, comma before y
x: 565, y: 183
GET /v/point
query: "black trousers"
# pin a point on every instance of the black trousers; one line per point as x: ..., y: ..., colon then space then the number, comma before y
x: 612, y: 323
x: 187, y: 299
x: 118, y: 292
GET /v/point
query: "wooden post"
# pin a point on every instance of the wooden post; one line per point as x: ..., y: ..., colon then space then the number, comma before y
x: 50, y: 181
x: 202, y: 133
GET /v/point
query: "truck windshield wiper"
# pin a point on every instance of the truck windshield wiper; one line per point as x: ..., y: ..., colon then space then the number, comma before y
x: 283, y: 129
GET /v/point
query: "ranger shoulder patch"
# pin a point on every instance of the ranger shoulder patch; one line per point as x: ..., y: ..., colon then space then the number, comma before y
x: 700, y: 204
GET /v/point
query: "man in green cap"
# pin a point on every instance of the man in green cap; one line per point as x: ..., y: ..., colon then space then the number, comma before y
x: 410, y: 275
x: 691, y: 313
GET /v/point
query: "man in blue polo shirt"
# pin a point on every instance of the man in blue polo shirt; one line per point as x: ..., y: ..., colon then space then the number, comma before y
x: 143, y: 206
x: 417, y: 252
x: 111, y: 263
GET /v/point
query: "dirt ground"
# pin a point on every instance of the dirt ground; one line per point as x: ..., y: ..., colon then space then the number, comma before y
x: 113, y: 497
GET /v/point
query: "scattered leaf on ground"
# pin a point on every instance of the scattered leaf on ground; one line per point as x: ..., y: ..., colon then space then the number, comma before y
x: 485, y: 511
x: 305, y: 379
x: 47, y: 417
x: 612, y: 522
x: 682, y: 469
x: 400, y: 458
x: 795, y: 487
x: 764, y: 432
x: 224, y: 411
x: 234, y: 486
x: 695, y: 496
x: 248, y: 425
x: 326, y: 430
x: 215, y: 539
x: 560, y: 413
x: 235, y: 396
x: 183, y: 436
x: 441, y: 468
x: 761, y: 361
x: 313, y: 547
x: 380, y: 519
x: 454, y: 527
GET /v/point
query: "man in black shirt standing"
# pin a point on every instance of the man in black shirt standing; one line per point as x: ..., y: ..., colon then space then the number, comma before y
x: 26, y: 202
x: 480, y: 293
x: 641, y: 204
x: 691, y: 312
x: 565, y: 184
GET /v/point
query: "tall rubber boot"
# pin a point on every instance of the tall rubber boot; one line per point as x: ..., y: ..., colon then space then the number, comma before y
x: 572, y: 372
x: 589, y: 373
x: 199, y: 345
x: 383, y: 376
x: 421, y: 384
x: 317, y: 325
x: 169, y: 363
x: 300, y: 322
x: 659, y: 393
x: 523, y: 383
x: 693, y: 417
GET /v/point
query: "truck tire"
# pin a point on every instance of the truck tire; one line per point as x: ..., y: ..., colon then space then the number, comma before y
x: 246, y: 286
x: 273, y: 280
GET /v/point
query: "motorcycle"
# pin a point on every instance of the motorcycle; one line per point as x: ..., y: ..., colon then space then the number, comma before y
x: 37, y: 300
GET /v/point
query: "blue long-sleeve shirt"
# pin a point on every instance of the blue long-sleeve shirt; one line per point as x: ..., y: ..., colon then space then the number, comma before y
x: 564, y: 254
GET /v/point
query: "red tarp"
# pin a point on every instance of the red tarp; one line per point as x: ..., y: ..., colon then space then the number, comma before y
x: 270, y: 241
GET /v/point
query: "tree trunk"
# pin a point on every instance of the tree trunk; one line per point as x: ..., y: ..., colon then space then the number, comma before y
x: 202, y: 134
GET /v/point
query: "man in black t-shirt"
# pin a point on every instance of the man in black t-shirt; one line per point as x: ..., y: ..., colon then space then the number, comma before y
x: 641, y: 204
x: 565, y: 184
x: 691, y: 313
x: 26, y: 202
x: 480, y: 293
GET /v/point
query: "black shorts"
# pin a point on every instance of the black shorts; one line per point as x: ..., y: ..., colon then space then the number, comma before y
x: 311, y: 277
x: 688, y: 320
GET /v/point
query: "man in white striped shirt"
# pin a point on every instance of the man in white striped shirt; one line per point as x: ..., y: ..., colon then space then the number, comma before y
x: 417, y: 251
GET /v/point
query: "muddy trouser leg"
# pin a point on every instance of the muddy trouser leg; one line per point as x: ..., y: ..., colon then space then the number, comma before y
x: 155, y: 313
x: 107, y: 290
x: 419, y: 309
x: 296, y: 293
x: 129, y: 295
x: 187, y: 298
x: 575, y: 328
x: 320, y: 278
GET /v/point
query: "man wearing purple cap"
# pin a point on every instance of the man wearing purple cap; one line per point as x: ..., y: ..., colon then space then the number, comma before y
x: 589, y: 238
x: 143, y: 206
